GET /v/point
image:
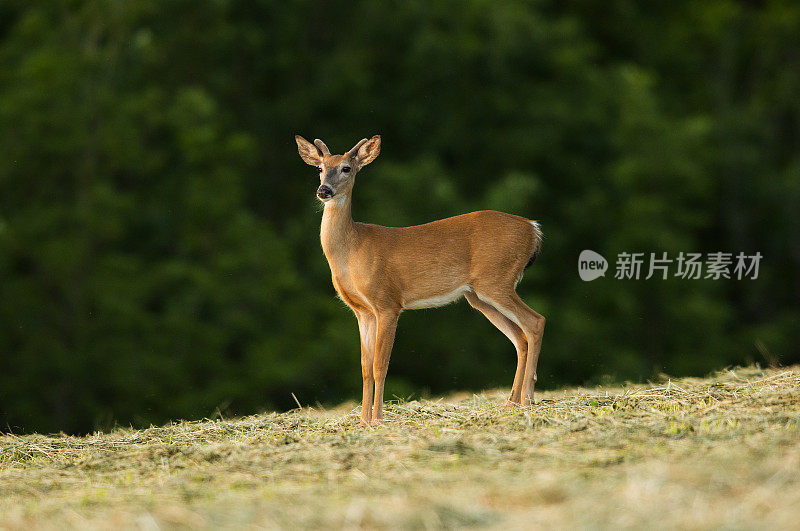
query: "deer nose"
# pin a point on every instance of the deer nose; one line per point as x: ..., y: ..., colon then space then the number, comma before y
x: 324, y: 192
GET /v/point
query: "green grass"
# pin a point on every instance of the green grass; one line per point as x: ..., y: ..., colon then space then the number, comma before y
x: 723, y: 451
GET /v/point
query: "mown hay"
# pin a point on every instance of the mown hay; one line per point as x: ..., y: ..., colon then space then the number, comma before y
x: 718, y: 451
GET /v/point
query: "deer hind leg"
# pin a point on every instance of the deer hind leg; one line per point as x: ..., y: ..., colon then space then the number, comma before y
x: 386, y: 326
x: 367, y: 329
x: 508, y: 303
x: 513, y: 333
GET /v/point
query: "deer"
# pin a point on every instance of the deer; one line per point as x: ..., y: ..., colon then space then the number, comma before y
x: 380, y: 271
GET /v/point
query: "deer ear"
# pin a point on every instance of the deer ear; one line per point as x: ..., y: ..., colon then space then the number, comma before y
x: 367, y: 150
x: 310, y: 154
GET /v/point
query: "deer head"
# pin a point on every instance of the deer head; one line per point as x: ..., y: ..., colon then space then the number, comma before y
x: 337, y: 172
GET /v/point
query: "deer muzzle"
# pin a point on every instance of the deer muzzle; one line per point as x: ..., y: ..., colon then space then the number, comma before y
x: 324, y: 192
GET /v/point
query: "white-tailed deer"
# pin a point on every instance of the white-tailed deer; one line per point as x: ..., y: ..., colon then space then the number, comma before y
x: 380, y: 271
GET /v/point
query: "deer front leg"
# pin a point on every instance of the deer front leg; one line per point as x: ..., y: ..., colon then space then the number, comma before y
x: 367, y: 330
x: 386, y: 326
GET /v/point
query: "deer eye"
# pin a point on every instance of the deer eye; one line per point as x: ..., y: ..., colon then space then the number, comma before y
x: 346, y: 169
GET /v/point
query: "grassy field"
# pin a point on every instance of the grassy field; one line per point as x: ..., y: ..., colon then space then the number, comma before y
x: 723, y: 451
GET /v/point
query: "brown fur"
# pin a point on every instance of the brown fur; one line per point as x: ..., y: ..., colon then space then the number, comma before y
x: 379, y: 271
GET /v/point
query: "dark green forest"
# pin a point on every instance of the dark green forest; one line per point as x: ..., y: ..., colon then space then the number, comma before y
x: 159, y: 234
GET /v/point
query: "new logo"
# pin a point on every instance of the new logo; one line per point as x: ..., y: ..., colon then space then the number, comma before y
x: 591, y: 265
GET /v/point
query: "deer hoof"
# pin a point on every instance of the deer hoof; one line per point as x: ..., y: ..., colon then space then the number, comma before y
x: 528, y: 401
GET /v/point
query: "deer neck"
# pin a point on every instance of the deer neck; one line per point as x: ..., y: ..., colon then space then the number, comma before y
x: 338, y: 231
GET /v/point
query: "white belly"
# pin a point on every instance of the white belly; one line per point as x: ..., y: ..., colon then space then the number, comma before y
x: 434, y: 302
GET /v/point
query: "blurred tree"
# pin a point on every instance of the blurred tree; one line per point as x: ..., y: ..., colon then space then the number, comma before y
x: 159, y: 253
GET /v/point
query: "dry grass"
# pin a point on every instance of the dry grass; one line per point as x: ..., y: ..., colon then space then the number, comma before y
x: 717, y: 452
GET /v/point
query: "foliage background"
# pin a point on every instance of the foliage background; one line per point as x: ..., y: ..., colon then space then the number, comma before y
x: 159, y: 253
